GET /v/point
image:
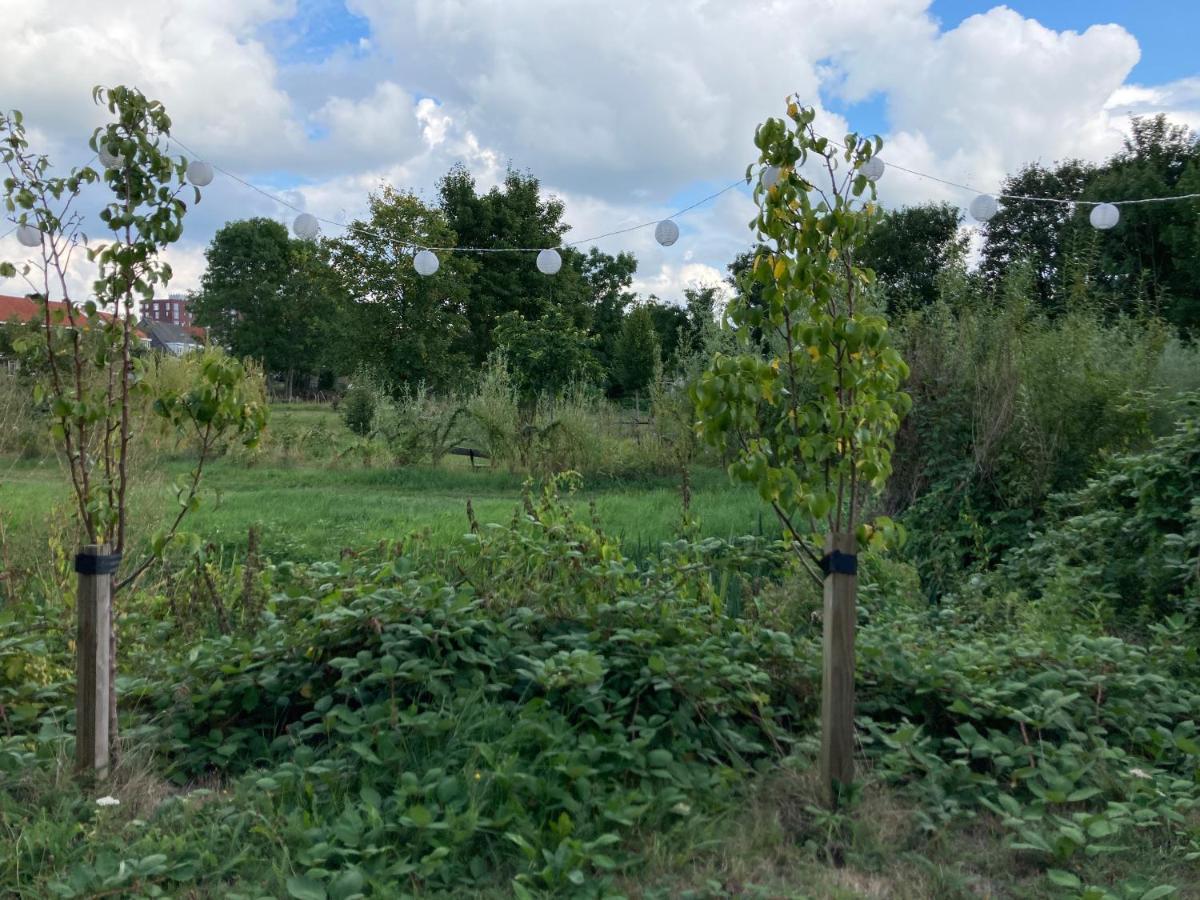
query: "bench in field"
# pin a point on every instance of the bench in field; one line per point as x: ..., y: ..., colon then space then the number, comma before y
x: 472, y: 453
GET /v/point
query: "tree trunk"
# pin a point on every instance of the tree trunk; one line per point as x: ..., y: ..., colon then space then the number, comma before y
x: 95, y: 701
x: 837, y: 682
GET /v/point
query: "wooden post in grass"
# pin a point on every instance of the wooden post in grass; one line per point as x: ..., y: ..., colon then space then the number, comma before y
x: 94, y: 566
x: 840, y: 565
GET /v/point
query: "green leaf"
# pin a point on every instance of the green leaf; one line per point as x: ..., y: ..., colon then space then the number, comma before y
x: 346, y: 884
x: 1063, y: 879
x: 1162, y: 890
x: 304, y: 888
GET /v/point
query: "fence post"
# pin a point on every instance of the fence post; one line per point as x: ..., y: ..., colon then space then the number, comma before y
x: 840, y: 565
x: 94, y: 566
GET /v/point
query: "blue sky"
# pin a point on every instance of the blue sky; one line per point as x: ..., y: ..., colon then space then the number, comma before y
x: 627, y: 110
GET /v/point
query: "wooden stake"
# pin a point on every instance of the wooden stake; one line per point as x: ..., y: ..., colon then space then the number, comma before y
x: 94, y: 615
x: 837, y: 681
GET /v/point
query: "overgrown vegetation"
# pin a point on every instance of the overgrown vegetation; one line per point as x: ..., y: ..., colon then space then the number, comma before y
x: 488, y: 690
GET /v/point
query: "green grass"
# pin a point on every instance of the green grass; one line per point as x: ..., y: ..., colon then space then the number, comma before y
x: 308, y: 512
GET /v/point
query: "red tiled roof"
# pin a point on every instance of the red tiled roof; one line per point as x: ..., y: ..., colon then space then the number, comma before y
x: 23, y: 309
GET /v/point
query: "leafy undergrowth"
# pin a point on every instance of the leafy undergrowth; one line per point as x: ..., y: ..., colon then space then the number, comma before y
x: 531, y: 714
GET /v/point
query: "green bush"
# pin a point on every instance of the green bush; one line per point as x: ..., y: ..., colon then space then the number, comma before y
x: 1129, y: 538
x: 418, y: 426
x: 1009, y: 408
x: 358, y: 403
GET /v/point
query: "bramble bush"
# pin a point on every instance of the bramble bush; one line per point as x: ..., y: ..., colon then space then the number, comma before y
x: 518, y: 712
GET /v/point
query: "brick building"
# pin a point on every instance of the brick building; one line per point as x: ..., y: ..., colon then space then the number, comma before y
x: 173, y: 310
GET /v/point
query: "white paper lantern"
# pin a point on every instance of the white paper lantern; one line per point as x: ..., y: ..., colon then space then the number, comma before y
x: 109, y: 159
x: 1104, y: 216
x: 770, y: 177
x: 872, y: 169
x: 306, y: 226
x: 666, y: 232
x: 983, y: 207
x: 426, y: 262
x: 29, y: 236
x: 549, y: 262
x: 200, y: 173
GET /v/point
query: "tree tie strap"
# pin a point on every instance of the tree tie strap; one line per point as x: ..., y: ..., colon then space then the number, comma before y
x: 97, y: 564
x: 839, y: 563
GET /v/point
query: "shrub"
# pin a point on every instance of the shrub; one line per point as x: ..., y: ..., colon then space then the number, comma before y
x: 417, y: 426
x: 1129, y: 538
x: 357, y: 405
x: 1009, y: 408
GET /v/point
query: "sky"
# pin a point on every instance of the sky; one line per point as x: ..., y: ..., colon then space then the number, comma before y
x: 626, y: 110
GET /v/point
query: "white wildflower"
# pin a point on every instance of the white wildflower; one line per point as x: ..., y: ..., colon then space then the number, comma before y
x: 1139, y: 773
x: 108, y: 801
x: 681, y: 809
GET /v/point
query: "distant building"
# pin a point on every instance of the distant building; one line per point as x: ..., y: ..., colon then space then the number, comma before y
x: 168, y: 337
x: 174, y: 310
x: 23, y: 309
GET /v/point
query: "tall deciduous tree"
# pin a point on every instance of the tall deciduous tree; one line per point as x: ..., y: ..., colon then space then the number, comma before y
x: 547, y: 354
x: 511, y: 215
x: 1151, y: 259
x: 1035, y: 233
x: 269, y: 297
x: 403, y: 326
x: 909, y: 248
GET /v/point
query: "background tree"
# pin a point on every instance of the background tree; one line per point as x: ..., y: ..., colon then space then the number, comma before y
x: 670, y: 327
x: 269, y: 297
x: 1037, y: 234
x: 608, y: 279
x: 637, y: 351
x: 546, y: 355
x: 909, y: 248
x: 1146, y: 264
x: 1151, y: 260
x: 402, y: 326
x: 511, y: 215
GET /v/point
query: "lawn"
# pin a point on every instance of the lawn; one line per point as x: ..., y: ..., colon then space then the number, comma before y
x: 308, y: 512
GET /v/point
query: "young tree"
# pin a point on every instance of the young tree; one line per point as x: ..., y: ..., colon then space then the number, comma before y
x: 637, y: 351
x: 813, y: 426
x: 90, y: 385
x: 545, y: 355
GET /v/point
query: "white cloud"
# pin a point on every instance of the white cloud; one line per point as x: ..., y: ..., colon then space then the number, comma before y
x: 617, y: 107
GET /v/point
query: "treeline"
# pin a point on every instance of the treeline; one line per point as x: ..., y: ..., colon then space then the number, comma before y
x: 1148, y: 265
x: 327, y: 308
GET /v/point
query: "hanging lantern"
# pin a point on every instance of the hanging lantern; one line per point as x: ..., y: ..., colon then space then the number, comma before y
x: 108, y: 159
x: 770, y: 177
x: 666, y: 232
x: 200, y: 173
x: 983, y: 207
x: 1104, y: 216
x: 872, y: 169
x: 29, y: 236
x: 426, y: 262
x: 306, y: 226
x: 549, y: 262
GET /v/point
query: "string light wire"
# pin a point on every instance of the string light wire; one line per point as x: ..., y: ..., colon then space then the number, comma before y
x: 651, y: 223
